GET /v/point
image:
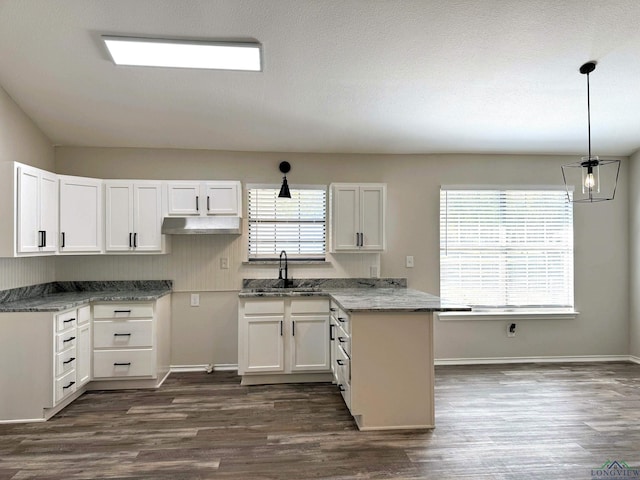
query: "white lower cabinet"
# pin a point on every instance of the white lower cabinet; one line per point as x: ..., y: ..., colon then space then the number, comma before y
x: 131, y: 343
x: 283, y: 337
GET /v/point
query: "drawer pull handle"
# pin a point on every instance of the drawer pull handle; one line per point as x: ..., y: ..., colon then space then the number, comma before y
x: 69, y: 361
x: 332, y: 309
x: 342, y: 340
x: 70, y: 320
x: 68, y: 339
x: 339, y: 362
x: 121, y: 334
x: 122, y: 364
x: 122, y: 311
x: 71, y: 384
x: 341, y: 319
x: 341, y: 388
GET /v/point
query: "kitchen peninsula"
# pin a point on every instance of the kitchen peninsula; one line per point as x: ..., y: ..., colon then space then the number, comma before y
x: 379, y: 338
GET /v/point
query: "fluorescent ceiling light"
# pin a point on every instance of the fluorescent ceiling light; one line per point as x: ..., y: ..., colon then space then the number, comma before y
x: 152, y: 52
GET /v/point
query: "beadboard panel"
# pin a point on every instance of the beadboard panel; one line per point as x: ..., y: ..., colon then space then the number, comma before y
x: 21, y: 272
x: 194, y: 265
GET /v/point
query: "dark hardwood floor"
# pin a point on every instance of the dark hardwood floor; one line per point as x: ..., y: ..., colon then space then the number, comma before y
x: 542, y: 421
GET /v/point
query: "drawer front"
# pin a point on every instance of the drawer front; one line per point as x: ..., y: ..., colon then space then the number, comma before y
x: 345, y: 389
x: 66, y: 361
x: 123, y: 310
x: 340, y: 316
x: 122, y: 333
x: 259, y: 307
x: 64, y: 386
x: 343, y: 365
x: 343, y: 339
x: 66, y: 320
x: 65, y: 341
x: 84, y: 314
x: 123, y: 363
x: 320, y: 306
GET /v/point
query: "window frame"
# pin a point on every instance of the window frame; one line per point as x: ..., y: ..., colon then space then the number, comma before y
x: 291, y: 257
x: 536, y: 310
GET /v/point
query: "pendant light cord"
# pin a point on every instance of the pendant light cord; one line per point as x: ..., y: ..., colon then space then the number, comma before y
x: 589, y: 115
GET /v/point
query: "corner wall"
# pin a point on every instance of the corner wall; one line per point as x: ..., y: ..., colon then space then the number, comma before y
x: 634, y: 256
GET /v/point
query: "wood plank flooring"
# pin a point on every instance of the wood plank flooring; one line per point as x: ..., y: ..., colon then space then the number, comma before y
x: 542, y: 421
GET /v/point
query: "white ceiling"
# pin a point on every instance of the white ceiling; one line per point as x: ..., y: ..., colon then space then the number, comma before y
x: 369, y: 76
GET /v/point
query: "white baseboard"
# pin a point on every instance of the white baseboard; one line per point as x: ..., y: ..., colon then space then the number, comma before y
x: 222, y: 367
x: 568, y: 359
x: 634, y: 359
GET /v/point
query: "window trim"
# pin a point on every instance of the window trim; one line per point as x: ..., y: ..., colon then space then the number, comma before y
x: 291, y: 258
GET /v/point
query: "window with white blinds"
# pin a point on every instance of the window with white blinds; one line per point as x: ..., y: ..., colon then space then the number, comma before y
x: 510, y: 248
x: 296, y: 224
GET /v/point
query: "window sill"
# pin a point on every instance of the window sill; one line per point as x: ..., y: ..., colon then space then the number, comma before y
x: 508, y: 315
x: 290, y: 262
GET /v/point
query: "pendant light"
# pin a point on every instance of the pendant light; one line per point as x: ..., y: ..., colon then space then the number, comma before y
x: 285, y: 167
x: 598, y: 177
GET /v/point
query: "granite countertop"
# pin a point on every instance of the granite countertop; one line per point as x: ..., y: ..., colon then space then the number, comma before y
x: 59, y: 296
x: 356, y: 295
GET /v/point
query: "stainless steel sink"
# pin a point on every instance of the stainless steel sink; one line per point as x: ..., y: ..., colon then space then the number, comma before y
x: 282, y: 289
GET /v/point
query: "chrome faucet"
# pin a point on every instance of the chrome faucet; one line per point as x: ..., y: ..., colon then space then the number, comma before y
x: 286, y: 281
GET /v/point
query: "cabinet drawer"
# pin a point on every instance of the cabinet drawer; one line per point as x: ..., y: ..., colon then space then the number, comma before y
x: 256, y: 307
x: 123, y: 310
x: 310, y: 306
x: 343, y: 365
x: 123, y: 363
x: 341, y: 317
x: 65, y: 341
x: 84, y: 314
x: 345, y: 389
x: 343, y: 339
x: 65, y: 361
x: 65, y: 385
x: 66, y: 320
x: 122, y: 333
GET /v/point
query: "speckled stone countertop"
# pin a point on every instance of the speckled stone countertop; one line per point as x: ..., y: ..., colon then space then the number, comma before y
x: 356, y: 295
x: 59, y: 296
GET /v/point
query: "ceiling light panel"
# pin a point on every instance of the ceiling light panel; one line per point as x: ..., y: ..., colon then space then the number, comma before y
x: 152, y: 52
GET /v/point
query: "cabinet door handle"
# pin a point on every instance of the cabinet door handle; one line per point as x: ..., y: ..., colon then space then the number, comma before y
x: 341, y: 388
x: 331, y: 327
x: 71, y: 384
x: 208, y: 203
x: 40, y: 238
x: 197, y: 203
x: 63, y: 240
x: 44, y: 238
x: 68, y: 339
x: 122, y: 311
x: 69, y: 361
x: 122, y: 364
x: 342, y: 340
x: 293, y: 328
x: 69, y: 320
x: 135, y: 240
x: 339, y: 362
x: 121, y: 334
x: 130, y: 241
x: 281, y: 326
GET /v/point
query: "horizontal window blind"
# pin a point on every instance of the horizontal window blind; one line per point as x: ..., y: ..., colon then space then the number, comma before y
x: 506, y: 248
x: 296, y: 224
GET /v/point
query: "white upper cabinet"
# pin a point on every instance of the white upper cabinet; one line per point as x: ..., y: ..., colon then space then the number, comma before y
x: 36, y: 210
x: 358, y: 217
x: 133, y: 216
x: 204, y: 198
x: 81, y: 218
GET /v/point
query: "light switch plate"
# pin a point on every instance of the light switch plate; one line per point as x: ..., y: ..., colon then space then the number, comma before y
x: 409, y: 261
x: 195, y: 299
x: 224, y: 263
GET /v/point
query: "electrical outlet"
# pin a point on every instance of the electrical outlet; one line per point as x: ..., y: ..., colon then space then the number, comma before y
x: 511, y: 330
x: 373, y: 271
x: 195, y: 299
x: 224, y: 263
x: 409, y: 261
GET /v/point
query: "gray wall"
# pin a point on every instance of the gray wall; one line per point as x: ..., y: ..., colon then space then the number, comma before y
x: 208, y: 334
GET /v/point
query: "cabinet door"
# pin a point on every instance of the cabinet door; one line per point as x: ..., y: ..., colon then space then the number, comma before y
x: 183, y: 198
x: 345, y: 221
x: 119, y: 216
x: 221, y: 198
x: 80, y: 214
x: 372, y: 199
x: 48, y: 211
x: 147, y: 217
x: 83, y: 348
x: 264, y: 345
x: 28, y: 214
x: 310, y: 343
